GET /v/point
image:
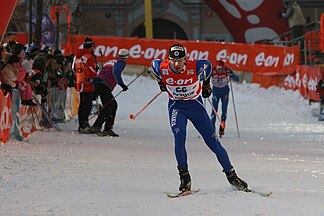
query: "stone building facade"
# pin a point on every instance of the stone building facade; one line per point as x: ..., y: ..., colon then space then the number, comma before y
x: 181, y: 19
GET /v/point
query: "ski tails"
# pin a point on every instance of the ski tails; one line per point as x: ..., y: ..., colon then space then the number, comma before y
x: 247, y: 190
x: 182, y: 194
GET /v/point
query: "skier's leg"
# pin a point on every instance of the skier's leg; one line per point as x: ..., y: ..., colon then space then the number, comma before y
x: 101, y: 92
x: 178, y: 124
x: 201, y: 121
x: 111, y: 114
x: 224, y: 100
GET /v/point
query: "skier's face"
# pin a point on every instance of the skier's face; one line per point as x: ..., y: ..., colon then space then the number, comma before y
x: 177, y: 64
x: 220, y: 69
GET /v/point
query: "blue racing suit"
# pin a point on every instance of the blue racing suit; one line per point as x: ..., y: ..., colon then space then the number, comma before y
x: 220, y: 91
x: 185, y: 103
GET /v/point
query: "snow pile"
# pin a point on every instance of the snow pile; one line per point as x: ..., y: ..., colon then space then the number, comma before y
x: 64, y: 173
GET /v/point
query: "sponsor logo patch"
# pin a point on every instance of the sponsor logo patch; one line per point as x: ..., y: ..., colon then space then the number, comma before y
x: 190, y: 72
x: 165, y: 71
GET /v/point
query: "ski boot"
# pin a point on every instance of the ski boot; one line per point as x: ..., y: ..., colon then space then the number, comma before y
x: 221, y: 129
x: 185, y: 180
x: 93, y: 130
x: 109, y: 133
x: 235, y: 181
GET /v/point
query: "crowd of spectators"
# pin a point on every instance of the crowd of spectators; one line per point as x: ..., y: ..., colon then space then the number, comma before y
x: 27, y: 72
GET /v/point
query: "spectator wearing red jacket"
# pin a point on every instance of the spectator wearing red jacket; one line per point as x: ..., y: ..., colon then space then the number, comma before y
x: 85, y: 69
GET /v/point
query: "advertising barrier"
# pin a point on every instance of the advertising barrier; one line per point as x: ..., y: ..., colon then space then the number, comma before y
x: 255, y: 58
x: 6, y: 116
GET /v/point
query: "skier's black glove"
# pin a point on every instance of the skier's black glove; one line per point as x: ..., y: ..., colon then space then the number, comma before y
x: 206, y: 92
x: 230, y: 72
x: 162, y: 86
x: 124, y: 87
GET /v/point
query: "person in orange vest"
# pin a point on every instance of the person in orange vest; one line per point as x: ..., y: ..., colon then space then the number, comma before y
x: 85, y: 67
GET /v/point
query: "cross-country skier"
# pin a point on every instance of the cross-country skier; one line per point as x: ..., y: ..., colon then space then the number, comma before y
x: 220, y: 78
x: 105, y: 83
x: 181, y: 79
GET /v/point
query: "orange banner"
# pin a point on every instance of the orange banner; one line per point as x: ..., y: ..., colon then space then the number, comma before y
x: 265, y: 59
x: 305, y: 80
x: 6, y: 116
x: 6, y: 10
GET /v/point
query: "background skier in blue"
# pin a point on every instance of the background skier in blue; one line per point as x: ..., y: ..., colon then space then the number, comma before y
x: 220, y: 78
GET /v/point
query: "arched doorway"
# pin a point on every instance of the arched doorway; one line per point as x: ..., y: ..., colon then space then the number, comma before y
x: 162, y: 29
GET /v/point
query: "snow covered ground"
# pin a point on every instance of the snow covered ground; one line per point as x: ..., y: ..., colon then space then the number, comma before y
x: 281, y: 150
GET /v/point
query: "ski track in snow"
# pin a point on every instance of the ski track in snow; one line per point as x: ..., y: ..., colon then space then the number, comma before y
x: 281, y: 150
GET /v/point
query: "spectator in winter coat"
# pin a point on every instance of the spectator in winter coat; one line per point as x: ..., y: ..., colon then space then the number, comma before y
x: 35, y: 75
x: 104, y: 85
x: 24, y: 87
x: 3, y: 57
x: 31, y: 52
x: 296, y: 19
x: 9, y: 83
x: 9, y: 74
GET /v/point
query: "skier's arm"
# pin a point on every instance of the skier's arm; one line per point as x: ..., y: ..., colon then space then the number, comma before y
x: 204, y: 69
x: 117, y: 70
x: 156, y: 71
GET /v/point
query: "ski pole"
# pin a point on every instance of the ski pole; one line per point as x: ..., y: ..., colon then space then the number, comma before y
x: 237, y: 127
x: 38, y: 121
x: 211, y: 104
x: 47, y: 116
x: 132, y: 116
x: 106, y: 104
